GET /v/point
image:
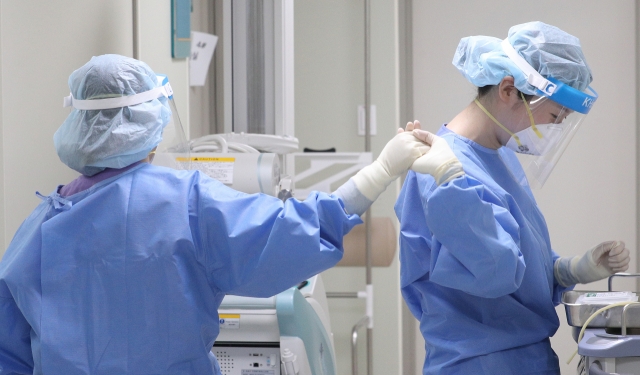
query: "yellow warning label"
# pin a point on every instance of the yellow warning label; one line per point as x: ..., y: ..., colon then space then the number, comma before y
x: 229, y: 321
x: 229, y: 316
x: 209, y: 160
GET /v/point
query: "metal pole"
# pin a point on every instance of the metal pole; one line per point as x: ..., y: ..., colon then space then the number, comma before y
x: 621, y: 274
x: 367, y: 148
x: 136, y: 46
x: 354, y: 344
x: 405, y: 58
x: 342, y: 295
x: 637, y: 11
x: 367, y: 76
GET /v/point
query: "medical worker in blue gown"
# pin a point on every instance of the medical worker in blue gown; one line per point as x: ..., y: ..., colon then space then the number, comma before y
x: 122, y: 270
x: 478, y: 268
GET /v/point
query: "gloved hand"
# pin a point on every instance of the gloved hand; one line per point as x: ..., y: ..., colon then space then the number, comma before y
x: 597, y: 263
x: 396, y: 158
x: 440, y: 161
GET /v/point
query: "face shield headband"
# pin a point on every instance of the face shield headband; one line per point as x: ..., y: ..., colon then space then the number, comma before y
x: 553, y: 89
x: 164, y: 89
x: 173, y: 146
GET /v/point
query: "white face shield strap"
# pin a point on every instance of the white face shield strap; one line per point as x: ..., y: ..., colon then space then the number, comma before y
x: 557, y: 91
x: 122, y: 101
x: 533, y: 77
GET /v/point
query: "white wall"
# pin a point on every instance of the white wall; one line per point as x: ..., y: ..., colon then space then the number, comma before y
x: 202, y: 98
x: 155, y: 50
x: 41, y: 43
x: 2, y: 220
x: 591, y: 195
x: 329, y: 85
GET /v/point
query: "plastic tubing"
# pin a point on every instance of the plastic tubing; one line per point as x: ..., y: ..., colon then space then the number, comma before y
x: 584, y: 326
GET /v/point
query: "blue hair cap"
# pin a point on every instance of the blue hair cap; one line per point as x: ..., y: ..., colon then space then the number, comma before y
x: 89, y: 141
x: 550, y: 51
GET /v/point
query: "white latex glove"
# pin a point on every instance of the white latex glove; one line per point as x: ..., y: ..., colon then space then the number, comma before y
x: 440, y: 161
x: 395, y: 159
x: 597, y: 263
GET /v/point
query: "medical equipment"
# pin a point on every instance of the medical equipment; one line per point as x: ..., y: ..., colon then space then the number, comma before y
x: 610, y: 342
x: 245, y: 162
x: 245, y: 142
x: 249, y: 173
x: 288, y: 334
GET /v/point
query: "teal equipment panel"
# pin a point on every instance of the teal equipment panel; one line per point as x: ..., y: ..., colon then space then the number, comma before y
x: 297, y: 318
x: 180, y: 28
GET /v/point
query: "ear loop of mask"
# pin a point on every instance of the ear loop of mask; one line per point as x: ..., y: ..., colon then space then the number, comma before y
x: 498, y: 122
x: 533, y: 124
x: 517, y: 139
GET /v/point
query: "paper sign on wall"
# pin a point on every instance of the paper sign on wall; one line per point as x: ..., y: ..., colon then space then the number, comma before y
x: 202, y: 47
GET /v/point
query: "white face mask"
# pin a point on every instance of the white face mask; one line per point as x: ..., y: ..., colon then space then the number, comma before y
x: 531, y: 143
x: 534, y: 140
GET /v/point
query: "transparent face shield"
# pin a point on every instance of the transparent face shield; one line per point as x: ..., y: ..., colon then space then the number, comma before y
x: 174, y: 147
x: 173, y: 150
x: 554, y: 116
x: 552, y: 127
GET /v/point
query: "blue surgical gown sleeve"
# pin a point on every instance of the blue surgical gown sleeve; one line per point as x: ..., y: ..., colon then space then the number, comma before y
x: 354, y: 201
x: 16, y: 352
x: 256, y: 245
x: 15, y: 340
x: 557, y: 288
x: 477, y: 247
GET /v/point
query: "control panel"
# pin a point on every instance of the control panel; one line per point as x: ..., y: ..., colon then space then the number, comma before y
x: 248, y: 358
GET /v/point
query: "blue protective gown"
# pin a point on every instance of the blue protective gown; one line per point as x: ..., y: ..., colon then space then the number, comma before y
x: 477, y: 267
x: 127, y: 276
